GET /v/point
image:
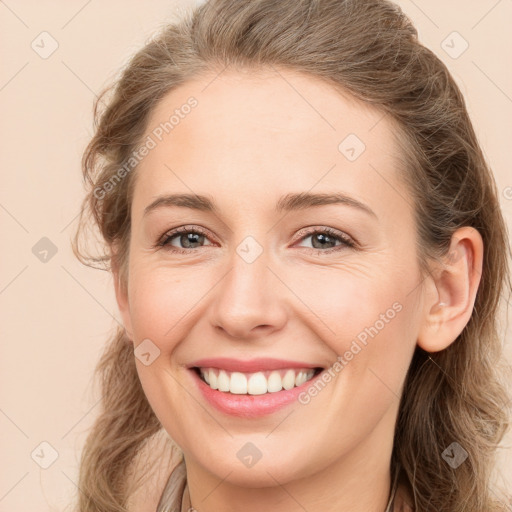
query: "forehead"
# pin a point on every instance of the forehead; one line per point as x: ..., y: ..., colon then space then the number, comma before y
x: 265, y: 132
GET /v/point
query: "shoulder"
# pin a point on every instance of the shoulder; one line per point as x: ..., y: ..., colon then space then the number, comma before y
x: 149, y: 472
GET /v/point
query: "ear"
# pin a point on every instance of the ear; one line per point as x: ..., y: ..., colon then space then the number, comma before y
x: 121, y: 291
x: 450, y: 291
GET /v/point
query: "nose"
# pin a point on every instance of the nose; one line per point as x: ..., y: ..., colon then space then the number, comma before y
x: 250, y: 300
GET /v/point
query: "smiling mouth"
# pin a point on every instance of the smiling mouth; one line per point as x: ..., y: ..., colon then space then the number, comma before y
x: 255, y: 383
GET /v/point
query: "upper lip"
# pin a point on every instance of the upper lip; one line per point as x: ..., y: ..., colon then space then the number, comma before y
x: 249, y: 365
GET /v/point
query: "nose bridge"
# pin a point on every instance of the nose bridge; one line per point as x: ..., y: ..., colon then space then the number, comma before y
x: 248, y: 296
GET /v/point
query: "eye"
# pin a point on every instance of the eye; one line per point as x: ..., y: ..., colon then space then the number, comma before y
x: 186, y: 236
x: 326, y: 240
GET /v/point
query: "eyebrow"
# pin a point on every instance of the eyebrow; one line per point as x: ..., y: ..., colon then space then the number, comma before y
x: 289, y: 202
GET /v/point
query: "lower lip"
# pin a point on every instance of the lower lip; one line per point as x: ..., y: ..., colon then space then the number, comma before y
x: 250, y: 406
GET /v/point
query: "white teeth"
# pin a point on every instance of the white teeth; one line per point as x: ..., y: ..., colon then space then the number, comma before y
x: 238, y: 384
x: 212, y: 379
x: 257, y: 383
x: 223, y: 381
x: 289, y: 379
x: 300, y: 378
x: 274, y: 382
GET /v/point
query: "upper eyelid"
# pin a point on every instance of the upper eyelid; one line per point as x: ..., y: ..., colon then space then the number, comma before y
x: 171, y: 233
x: 319, y: 229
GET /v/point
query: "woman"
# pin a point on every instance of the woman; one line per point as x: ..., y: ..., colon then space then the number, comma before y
x: 308, y: 256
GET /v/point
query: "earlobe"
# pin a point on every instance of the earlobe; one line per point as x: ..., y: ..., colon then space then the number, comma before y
x: 450, y: 291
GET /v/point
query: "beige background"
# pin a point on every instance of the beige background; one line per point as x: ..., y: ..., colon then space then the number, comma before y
x: 56, y: 315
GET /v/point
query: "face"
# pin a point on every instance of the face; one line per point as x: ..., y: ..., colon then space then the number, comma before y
x: 260, y: 289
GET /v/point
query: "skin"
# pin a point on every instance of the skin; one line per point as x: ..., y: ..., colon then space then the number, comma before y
x: 252, y: 139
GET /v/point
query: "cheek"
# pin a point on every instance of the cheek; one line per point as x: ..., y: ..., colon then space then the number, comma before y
x: 372, y: 328
x: 161, y: 300
x: 370, y: 321
x: 348, y: 303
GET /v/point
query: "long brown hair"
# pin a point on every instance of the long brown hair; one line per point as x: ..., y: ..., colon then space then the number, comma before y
x: 370, y: 49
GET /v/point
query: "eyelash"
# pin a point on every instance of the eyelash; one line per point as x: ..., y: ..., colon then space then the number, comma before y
x: 347, y: 242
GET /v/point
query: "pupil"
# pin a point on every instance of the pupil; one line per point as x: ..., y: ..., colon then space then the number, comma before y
x: 323, y: 237
x: 189, y: 239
